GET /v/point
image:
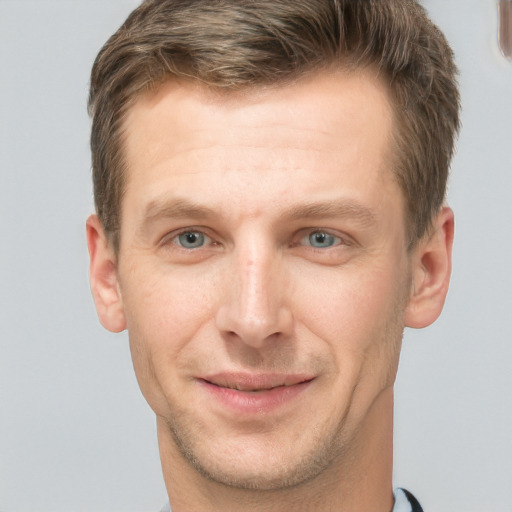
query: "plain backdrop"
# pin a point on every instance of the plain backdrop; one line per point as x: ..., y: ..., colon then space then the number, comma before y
x: 75, y: 433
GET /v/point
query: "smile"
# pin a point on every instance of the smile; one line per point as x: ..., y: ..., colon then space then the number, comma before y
x: 250, y: 393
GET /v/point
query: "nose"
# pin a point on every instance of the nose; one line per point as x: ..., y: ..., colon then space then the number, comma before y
x: 254, y: 307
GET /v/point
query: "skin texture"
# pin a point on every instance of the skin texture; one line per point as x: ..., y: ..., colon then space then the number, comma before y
x: 244, y: 181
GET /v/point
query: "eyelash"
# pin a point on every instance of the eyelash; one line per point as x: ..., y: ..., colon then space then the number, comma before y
x: 326, y: 234
x: 300, y: 236
x: 172, y: 238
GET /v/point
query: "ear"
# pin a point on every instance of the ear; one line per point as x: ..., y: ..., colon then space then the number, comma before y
x: 103, y: 277
x: 431, y: 266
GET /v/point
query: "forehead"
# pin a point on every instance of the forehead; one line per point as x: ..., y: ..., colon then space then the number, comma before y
x: 310, y: 134
x: 318, y: 104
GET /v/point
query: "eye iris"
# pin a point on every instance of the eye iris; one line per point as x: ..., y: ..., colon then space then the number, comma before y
x: 191, y: 239
x: 321, y: 239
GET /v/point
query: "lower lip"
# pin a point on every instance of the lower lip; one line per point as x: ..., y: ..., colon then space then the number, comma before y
x: 255, y: 402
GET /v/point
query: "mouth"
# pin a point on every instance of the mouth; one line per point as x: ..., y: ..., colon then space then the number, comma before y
x: 256, y: 383
x: 254, y: 393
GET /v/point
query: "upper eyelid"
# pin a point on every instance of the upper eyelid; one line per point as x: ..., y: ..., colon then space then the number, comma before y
x: 332, y: 232
x: 171, y: 236
x: 339, y: 240
x: 189, y: 229
x: 297, y: 235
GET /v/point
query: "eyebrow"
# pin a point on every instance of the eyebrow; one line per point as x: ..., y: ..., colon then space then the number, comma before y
x: 334, y: 209
x: 186, y: 209
x: 174, y: 209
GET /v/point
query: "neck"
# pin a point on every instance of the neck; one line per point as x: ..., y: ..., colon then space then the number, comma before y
x: 357, y: 482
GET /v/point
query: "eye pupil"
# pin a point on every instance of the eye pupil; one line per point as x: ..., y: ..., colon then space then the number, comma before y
x: 191, y: 239
x: 321, y: 239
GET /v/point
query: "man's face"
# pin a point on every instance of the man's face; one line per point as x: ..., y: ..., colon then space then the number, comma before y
x: 263, y: 272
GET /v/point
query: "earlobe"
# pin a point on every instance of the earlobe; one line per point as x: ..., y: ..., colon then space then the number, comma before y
x: 430, y: 272
x: 103, y: 277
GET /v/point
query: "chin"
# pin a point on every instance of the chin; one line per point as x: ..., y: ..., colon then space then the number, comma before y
x: 257, y: 464
x: 270, y: 478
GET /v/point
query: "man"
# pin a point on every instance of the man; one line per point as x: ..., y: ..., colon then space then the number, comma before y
x: 269, y: 179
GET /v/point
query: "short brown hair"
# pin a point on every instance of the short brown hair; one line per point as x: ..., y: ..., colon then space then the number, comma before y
x: 235, y: 44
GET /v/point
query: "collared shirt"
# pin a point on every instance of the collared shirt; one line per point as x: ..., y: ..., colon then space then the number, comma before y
x: 404, y: 502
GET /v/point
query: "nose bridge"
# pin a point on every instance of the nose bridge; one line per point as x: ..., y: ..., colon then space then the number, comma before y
x: 254, y: 275
x: 254, y: 308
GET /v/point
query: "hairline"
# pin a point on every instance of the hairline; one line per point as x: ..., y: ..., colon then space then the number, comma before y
x: 349, y: 65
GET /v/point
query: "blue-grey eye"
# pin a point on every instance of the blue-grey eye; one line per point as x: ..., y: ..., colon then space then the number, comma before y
x: 191, y: 239
x: 322, y: 240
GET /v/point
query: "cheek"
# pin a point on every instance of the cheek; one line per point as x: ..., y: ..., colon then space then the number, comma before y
x: 164, y: 312
x: 358, y: 318
x: 354, y: 308
x: 164, y: 304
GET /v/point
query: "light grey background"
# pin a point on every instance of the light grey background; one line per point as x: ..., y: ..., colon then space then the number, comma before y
x: 75, y: 433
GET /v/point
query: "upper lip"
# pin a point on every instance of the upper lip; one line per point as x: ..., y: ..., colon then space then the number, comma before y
x: 256, y: 381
